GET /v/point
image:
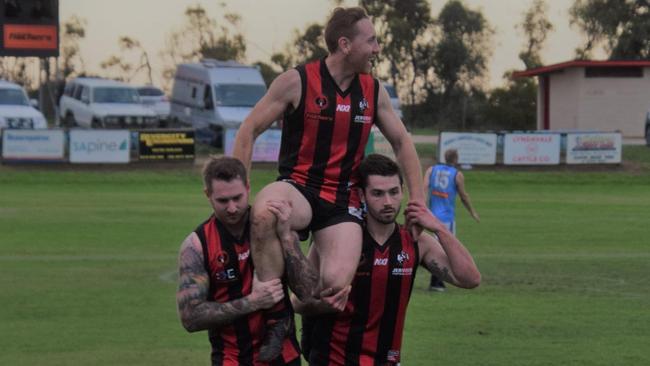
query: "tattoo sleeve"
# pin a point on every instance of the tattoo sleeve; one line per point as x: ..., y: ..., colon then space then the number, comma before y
x: 196, y: 311
x: 440, y: 271
x: 303, y: 279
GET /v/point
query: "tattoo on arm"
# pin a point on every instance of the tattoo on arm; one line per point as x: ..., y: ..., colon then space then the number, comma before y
x: 436, y: 269
x: 196, y: 311
x: 303, y: 279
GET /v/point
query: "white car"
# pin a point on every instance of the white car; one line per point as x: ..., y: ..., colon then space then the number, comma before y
x: 16, y: 110
x: 155, y: 99
x: 102, y: 103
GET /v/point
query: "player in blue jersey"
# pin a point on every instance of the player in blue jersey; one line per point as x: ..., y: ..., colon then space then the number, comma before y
x: 442, y: 182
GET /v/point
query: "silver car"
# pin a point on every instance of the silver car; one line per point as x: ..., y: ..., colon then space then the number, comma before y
x: 156, y: 100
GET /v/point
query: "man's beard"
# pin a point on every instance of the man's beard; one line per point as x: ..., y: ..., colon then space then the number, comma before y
x: 379, y: 217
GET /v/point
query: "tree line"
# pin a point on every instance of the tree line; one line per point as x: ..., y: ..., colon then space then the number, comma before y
x: 437, y: 62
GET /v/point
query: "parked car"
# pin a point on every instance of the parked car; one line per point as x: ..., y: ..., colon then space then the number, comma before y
x: 155, y: 99
x: 99, y: 103
x: 213, y: 95
x: 394, y: 99
x: 16, y: 111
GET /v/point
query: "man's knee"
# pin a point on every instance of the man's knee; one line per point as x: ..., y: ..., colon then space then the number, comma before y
x: 262, y: 221
x: 336, y: 276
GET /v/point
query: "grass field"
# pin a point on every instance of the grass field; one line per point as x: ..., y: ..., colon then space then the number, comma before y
x: 87, y: 270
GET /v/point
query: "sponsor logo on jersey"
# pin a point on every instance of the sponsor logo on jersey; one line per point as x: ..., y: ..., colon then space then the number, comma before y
x: 226, y: 275
x: 244, y: 256
x: 222, y: 259
x: 356, y: 212
x: 363, y: 105
x: 392, y: 356
x: 315, y: 117
x: 343, y: 108
x: 402, y: 271
x: 362, y: 119
x: 321, y: 101
x: 381, y: 262
x: 402, y: 257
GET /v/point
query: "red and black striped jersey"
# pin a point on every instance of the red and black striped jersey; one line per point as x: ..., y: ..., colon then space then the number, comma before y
x: 324, y: 138
x: 369, y: 331
x: 230, y: 266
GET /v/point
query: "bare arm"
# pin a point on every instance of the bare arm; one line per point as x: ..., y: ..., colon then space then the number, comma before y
x: 196, y: 311
x: 302, y: 275
x: 446, y: 257
x: 284, y: 92
x: 393, y: 128
x: 425, y: 185
x: 302, y: 271
x: 464, y: 196
x: 328, y: 302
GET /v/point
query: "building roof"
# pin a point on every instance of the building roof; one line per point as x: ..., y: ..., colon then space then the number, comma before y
x: 580, y: 63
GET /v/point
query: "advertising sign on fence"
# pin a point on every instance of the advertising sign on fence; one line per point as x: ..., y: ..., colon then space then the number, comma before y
x: 99, y: 146
x: 473, y: 148
x: 33, y: 145
x: 593, y: 148
x: 266, y: 148
x: 166, y: 145
x: 531, y: 149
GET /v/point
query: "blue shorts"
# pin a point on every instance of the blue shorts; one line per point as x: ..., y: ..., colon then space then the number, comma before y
x: 451, y: 226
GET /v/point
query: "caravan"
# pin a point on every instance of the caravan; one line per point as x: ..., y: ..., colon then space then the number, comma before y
x: 212, y: 96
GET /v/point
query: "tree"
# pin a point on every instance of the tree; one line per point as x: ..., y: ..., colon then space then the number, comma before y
x: 460, y: 58
x: 126, y: 70
x: 15, y: 70
x: 405, y: 31
x: 304, y: 47
x: 535, y: 26
x: 74, y: 30
x: 202, y: 37
x: 621, y: 27
x: 513, y: 107
x: 461, y: 55
x: 118, y: 67
x: 268, y: 72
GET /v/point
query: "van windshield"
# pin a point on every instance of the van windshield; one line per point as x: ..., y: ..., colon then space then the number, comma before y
x: 12, y: 97
x: 238, y: 95
x: 391, y: 91
x: 115, y: 95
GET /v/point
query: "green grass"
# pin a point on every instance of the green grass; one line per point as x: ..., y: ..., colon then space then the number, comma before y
x: 427, y: 152
x: 88, y: 261
x: 424, y: 131
x: 637, y: 153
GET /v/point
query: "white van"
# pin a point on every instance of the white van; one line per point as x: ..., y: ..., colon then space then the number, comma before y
x: 394, y: 99
x: 99, y: 103
x: 212, y: 95
x: 16, y: 110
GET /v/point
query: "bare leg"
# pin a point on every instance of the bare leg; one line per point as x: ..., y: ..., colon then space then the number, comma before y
x: 339, y: 250
x: 265, y: 245
x: 268, y: 257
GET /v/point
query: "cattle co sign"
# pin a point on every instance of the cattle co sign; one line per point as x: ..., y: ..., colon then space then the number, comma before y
x: 531, y: 149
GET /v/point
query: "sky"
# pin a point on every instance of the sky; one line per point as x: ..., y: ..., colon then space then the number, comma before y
x: 269, y: 24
